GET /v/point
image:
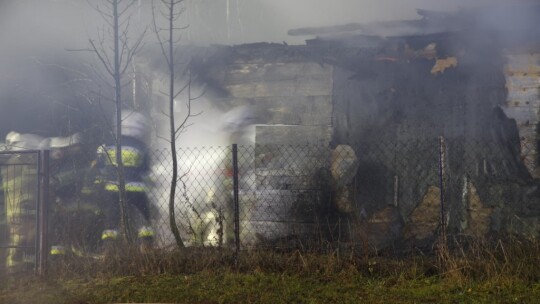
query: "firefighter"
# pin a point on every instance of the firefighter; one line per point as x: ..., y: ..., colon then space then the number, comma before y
x: 135, y: 131
x: 74, y: 219
x: 19, y: 180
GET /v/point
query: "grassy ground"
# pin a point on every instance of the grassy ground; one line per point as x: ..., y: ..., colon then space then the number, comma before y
x: 269, y: 288
x: 484, y: 273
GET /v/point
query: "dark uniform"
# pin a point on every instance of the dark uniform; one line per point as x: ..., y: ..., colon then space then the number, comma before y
x: 76, y: 219
x: 136, y: 165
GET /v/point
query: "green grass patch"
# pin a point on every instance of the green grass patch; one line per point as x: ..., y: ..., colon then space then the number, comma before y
x: 478, y: 273
x: 231, y: 287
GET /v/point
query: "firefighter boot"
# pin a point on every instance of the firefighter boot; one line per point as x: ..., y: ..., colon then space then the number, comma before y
x: 146, y: 239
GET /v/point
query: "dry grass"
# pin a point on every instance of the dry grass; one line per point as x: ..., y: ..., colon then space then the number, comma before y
x: 485, y: 270
x: 460, y: 260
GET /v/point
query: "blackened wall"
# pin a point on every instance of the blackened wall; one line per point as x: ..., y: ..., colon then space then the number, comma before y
x: 392, y: 110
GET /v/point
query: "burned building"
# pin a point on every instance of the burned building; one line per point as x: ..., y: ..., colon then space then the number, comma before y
x: 379, y: 133
x: 446, y: 101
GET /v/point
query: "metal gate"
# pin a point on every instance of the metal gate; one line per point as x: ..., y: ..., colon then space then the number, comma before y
x: 23, y: 207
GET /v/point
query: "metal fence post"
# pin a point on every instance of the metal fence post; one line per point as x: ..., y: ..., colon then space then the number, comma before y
x: 43, y: 207
x: 442, y: 169
x: 235, y: 199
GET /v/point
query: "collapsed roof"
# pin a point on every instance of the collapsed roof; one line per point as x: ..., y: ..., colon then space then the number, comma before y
x: 511, y: 23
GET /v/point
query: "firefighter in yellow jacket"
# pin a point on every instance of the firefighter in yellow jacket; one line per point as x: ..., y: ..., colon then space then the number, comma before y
x: 19, y: 181
x: 135, y: 128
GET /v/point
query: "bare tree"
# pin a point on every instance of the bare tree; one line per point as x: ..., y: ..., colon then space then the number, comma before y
x: 172, y: 10
x: 116, y: 52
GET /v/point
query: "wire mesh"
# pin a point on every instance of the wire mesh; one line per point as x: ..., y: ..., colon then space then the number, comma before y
x: 279, y: 193
x: 370, y: 195
x: 373, y: 194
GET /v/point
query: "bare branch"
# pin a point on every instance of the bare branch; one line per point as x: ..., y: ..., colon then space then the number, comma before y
x: 101, y: 40
x: 59, y: 66
x: 124, y: 23
x: 181, y: 90
x: 100, y: 76
x: 106, y: 16
x: 132, y: 51
x: 123, y: 38
x: 183, y: 130
x: 165, y: 114
x: 161, y: 45
x: 199, y: 96
x: 126, y: 8
x: 186, y: 118
x: 177, y: 40
x: 164, y: 138
x: 103, y: 61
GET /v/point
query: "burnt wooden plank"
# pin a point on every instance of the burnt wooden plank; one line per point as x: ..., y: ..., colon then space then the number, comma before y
x: 298, y: 110
x: 293, y: 135
x: 287, y: 110
x: 240, y: 73
x: 271, y: 72
x: 296, y: 87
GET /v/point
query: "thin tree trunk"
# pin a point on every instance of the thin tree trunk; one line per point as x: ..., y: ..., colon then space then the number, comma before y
x: 172, y: 194
x: 124, y: 223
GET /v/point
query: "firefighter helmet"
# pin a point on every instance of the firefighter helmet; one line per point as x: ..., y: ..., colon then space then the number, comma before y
x: 17, y: 141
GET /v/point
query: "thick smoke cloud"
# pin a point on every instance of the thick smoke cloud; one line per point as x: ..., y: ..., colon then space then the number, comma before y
x: 30, y: 24
x: 38, y: 92
x: 269, y: 20
x: 302, y: 13
x: 34, y: 36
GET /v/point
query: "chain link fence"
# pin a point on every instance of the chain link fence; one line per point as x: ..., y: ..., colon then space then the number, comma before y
x: 375, y: 194
x: 279, y: 194
x: 370, y: 195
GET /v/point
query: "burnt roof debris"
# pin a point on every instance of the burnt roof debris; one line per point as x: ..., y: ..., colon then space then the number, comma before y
x: 457, y: 41
x: 431, y: 23
x: 508, y: 25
